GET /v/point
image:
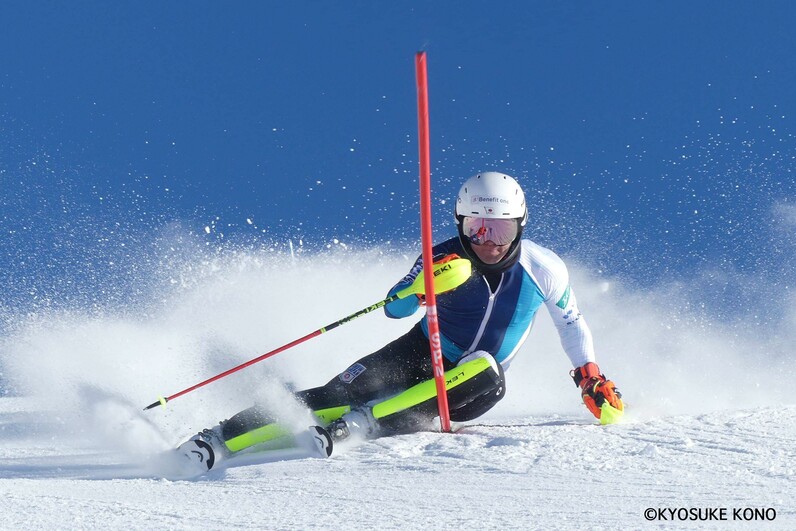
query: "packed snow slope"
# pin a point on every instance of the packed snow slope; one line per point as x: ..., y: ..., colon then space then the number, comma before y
x: 711, y: 422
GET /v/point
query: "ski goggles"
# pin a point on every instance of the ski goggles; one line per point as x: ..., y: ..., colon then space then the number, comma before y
x: 481, y: 230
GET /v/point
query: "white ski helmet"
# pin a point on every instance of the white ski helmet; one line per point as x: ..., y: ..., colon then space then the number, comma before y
x: 492, y: 195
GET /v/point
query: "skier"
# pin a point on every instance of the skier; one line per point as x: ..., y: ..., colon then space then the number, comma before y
x: 482, y: 323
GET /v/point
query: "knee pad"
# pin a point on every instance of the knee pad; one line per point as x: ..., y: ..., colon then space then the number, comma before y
x: 477, y: 355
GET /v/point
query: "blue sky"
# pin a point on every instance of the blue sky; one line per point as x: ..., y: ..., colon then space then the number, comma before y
x: 654, y: 139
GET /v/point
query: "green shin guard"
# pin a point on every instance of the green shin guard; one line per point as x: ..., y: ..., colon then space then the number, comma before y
x: 463, y: 378
x: 270, y: 433
x: 275, y: 435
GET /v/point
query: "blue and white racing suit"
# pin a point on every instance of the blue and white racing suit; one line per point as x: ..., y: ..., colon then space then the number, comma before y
x: 498, y: 318
x: 492, y: 313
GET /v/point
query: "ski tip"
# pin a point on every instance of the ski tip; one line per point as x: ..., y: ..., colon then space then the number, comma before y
x: 323, y: 441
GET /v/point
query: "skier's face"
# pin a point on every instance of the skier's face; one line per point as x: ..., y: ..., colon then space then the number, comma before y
x: 489, y: 253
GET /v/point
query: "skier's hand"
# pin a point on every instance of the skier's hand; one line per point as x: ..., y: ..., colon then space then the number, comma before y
x: 600, y: 395
x: 443, y: 258
x: 438, y: 259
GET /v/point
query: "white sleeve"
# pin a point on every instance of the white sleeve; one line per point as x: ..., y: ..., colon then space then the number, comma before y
x: 551, y: 275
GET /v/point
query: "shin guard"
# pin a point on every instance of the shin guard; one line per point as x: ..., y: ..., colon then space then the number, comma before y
x: 473, y: 388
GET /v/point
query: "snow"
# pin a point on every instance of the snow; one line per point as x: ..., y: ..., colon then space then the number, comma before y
x: 711, y: 422
x: 522, y: 472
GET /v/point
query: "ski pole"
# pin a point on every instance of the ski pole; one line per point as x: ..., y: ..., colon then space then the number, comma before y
x: 447, y: 275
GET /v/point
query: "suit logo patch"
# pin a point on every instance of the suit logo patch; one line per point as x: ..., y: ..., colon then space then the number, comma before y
x: 352, y: 372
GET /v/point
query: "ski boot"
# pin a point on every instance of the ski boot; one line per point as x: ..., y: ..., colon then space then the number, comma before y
x: 357, y: 422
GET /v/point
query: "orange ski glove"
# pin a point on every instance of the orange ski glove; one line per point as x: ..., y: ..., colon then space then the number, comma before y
x: 600, y: 395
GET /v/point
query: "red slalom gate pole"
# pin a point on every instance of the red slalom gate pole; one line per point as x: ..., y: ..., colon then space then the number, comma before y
x: 426, y: 236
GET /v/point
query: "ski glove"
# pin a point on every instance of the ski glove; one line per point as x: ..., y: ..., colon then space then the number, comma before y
x: 438, y: 259
x: 600, y: 395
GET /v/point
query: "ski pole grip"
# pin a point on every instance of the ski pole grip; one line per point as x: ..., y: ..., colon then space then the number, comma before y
x: 447, y: 276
